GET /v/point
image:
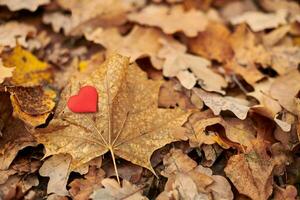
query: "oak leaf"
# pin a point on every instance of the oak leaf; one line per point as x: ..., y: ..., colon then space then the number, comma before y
x: 178, y: 63
x: 217, y: 103
x: 259, y: 21
x: 128, y: 122
x: 213, y: 43
x: 172, y: 19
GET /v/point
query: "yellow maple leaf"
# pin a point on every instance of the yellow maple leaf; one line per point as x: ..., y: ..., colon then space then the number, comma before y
x: 29, y: 70
x: 128, y: 122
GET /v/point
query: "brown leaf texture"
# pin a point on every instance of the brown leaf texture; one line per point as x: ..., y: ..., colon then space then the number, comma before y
x: 31, y: 5
x: 190, y: 22
x: 128, y: 122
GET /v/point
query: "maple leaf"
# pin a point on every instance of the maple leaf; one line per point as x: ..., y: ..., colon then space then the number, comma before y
x: 128, y: 122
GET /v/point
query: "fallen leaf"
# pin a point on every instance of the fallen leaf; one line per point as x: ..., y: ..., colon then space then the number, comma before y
x: 59, y: 176
x: 31, y: 5
x: 140, y: 42
x: 126, y: 98
x: 251, y: 173
x: 29, y: 71
x: 190, y: 22
x: 270, y: 39
x: 259, y: 21
x: 14, y: 32
x: 189, y: 181
x: 109, y: 12
x: 5, y: 72
x: 218, y: 103
x: 285, y: 89
x: 287, y: 193
x: 247, y: 53
x: 285, y: 59
x: 213, y: 43
x: 179, y: 63
x: 15, y: 137
x: 113, y: 191
x: 33, y: 105
x: 58, y: 21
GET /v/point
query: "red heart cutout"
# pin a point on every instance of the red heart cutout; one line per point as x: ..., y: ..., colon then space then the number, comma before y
x: 85, y: 101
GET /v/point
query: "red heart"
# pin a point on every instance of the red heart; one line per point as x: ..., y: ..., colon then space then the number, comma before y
x: 85, y: 101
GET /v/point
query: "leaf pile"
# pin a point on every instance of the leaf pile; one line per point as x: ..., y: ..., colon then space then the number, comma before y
x: 196, y: 99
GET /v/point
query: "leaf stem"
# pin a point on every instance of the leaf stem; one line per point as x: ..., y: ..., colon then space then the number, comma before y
x: 115, y: 164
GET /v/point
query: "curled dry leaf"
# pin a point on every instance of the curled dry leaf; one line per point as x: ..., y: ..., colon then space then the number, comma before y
x: 33, y: 105
x: 31, y: 5
x: 29, y: 70
x: 58, y: 21
x: 113, y: 191
x: 287, y: 193
x: 14, y: 32
x: 128, y: 122
x: 140, y: 42
x: 190, y: 22
x: 259, y: 21
x: 217, y: 103
x: 58, y: 169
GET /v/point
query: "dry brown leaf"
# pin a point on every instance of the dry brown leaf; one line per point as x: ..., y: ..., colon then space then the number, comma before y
x: 57, y: 168
x: 100, y: 13
x: 140, y: 42
x: 113, y: 191
x: 14, y: 32
x: 172, y: 19
x: 285, y: 59
x: 178, y: 63
x: 270, y: 39
x: 285, y: 89
x: 29, y: 70
x: 58, y: 21
x: 287, y: 193
x: 188, y: 181
x: 171, y: 94
x: 247, y: 53
x: 33, y: 105
x: 251, y: 172
x: 259, y: 21
x: 15, y: 136
x: 127, y: 99
x: 213, y: 43
x: 218, y: 103
x: 82, y: 188
x: 15, y: 5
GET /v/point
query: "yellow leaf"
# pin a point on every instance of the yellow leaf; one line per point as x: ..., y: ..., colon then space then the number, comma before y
x: 128, y: 122
x: 30, y: 71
